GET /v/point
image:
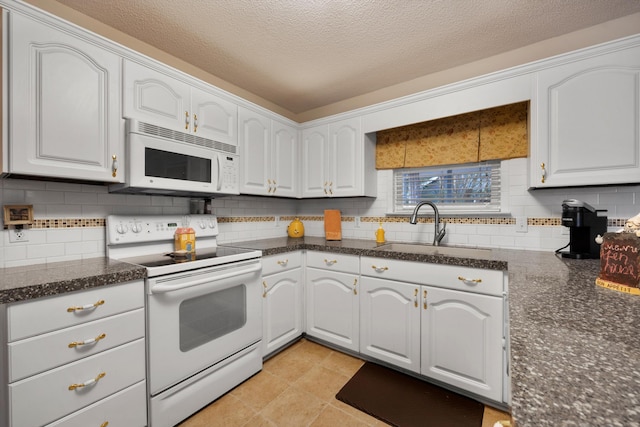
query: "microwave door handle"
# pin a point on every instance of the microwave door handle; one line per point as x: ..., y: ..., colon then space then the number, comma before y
x: 219, y: 173
x: 162, y: 289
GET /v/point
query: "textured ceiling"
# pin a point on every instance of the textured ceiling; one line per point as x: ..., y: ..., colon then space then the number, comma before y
x: 304, y: 54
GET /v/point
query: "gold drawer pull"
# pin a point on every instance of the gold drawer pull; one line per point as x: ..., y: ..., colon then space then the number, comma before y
x: 88, y: 383
x: 264, y: 285
x: 355, y: 282
x: 283, y: 263
x: 330, y: 261
x: 85, y: 307
x: 104, y: 424
x: 424, y: 299
x: 379, y: 269
x: 415, y: 297
x: 464, y: 279
x: 89, y: 341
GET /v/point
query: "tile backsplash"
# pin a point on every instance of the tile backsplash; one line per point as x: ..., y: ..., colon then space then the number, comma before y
x: 69, y: 218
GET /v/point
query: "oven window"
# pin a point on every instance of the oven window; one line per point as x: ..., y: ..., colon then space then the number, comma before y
x: 165, y: 164
x: 211, y: 316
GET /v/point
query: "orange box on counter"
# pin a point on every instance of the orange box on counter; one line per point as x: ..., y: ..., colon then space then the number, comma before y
x: 185, y: 240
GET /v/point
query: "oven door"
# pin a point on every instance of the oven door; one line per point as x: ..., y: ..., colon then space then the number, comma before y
x: 197, y: 318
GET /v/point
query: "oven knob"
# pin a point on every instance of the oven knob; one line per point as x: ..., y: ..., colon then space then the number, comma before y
x: 202, y: 224
x: 136, y: 227
x: 212, y: 223
x: 122, y: 228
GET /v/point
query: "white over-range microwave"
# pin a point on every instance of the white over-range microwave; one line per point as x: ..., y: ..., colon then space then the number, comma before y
x: 167, y: 162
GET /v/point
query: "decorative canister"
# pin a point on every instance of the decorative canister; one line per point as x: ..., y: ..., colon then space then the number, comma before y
x: 185, y: 240
x: 295, y: 228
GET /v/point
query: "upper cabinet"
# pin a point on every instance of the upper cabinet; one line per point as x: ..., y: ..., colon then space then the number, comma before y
x: 338, y: 160
x: 161, y: 99
x: 64, y: 116
x: 269, y: 155
x: 585, y: 122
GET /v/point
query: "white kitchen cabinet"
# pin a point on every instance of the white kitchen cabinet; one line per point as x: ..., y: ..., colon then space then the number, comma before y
x: 269, y: 155
x: 64, y: 116
x: 159, y: 98
x: 338, y: 160
x: 390, y: 322
x: 585, y: 118
x: 442, y: 321
x: 462, y: 340
x: 79, y: 358
x: 282, y: 300
x: 332, y: 303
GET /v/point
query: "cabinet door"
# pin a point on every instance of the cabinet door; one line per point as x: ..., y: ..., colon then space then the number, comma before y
x: 314, y: 162
x: 462, y: 340
x: 345, y: 158
x: 64, y: 105
x: 156, y: 98
x: 213, y: 117
x: 586, y: 122
x: 282, y: 309
x: 390, y: 322
x: 284, y: 155
x: 333, y: 307
x: 254, y: 133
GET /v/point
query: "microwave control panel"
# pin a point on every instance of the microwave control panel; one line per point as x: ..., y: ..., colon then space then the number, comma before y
x: 230, y: 168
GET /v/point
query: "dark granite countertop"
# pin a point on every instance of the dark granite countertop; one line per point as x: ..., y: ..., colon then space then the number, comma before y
x: 41, y: 280
x: 575, y: 347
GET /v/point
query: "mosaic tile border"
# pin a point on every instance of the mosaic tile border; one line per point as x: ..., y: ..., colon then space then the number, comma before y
x: 541, y: 222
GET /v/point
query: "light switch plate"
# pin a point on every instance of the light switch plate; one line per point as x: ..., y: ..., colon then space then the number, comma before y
x: 521, y: 224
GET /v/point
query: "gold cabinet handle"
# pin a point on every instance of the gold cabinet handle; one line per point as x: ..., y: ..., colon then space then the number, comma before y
x: 264, y: 292
x: 88, y: 383
x: 424, y: 299
x: 195, y: 123
x: 355, y: 282
x: 85, y: 307
x: 415, y: 297
x: 283, y: 263
x: 114, y: 165
x: 379, y: 269
x: 330, y: 261
x: 325, y: 187
x: 544, y: 172
x: 89, y: 341
x: 464, y: 279
x: 275, y: 187
x: 270, y: 186
x: 186, y: 120
x: 104, y: 424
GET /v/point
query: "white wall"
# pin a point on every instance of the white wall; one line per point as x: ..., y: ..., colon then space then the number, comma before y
x: 256, y: 216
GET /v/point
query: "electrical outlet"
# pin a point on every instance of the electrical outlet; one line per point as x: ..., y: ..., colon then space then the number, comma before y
x: 356, y: 219
x: 18, y: 235
x: 521, y: 224
x: 277, y: 221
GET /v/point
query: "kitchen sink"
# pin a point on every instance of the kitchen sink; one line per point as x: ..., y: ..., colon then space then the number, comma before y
x: 435, y: 250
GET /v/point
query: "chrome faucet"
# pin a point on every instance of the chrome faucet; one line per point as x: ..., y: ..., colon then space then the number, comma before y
x: 438, y: 233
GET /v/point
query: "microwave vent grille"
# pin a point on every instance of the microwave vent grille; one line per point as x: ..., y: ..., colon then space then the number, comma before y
x: 150, y: 129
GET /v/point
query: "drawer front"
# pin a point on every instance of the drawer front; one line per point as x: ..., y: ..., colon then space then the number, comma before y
x: 477, y: 280
x: 39, y: 316
x: 333, y: 261
x: 282, y: 262
x: 127, y: 408
x: 50, y: 392
x: 71, y: 344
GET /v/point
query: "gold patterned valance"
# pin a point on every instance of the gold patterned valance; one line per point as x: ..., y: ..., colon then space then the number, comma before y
x: 496, y: 133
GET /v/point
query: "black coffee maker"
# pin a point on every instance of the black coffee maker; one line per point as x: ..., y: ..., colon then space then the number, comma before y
x: 585, y: 224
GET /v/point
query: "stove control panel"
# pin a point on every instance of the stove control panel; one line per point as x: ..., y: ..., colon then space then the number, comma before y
x: 126, y: 229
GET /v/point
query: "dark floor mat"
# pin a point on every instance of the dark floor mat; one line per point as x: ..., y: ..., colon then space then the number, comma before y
x: 404, y: 401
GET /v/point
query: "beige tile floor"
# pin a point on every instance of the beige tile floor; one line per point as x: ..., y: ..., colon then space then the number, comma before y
x: 297, y: 388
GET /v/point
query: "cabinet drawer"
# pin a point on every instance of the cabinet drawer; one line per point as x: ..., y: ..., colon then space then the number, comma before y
x: 333, y: 261
x: 49, y: 314
x: 49, y: 392
x: 477, y: 280
x: 282, y: 262
x: 127, y: 408
x: 26, y: 356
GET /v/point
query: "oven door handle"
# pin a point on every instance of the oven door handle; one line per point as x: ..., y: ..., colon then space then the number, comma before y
x: 162, y: 289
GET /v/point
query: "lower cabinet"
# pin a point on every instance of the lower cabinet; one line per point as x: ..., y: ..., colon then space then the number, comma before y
x: 79, y: 358
x: 333, y: 305
x: 452, y: 332
x: 282, y: 300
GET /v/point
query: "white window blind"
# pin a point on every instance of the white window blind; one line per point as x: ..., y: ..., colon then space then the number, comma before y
x: 472, y: 187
